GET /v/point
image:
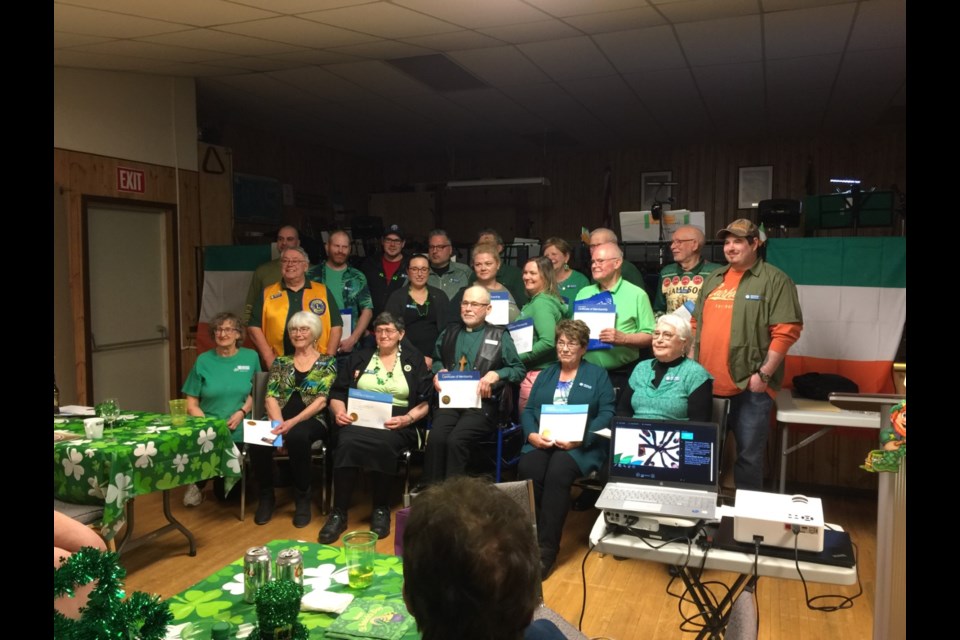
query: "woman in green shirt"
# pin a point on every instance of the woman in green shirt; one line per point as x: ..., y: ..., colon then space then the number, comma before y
x: 545, y: 309
x: 569, y: 281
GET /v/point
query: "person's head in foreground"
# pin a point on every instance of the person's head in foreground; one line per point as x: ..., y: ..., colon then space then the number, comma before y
x: 470, y: 563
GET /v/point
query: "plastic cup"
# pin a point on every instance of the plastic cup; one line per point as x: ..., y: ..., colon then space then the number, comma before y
x: 93, y: 428
x: 359, y: 548
x: 178, y: 412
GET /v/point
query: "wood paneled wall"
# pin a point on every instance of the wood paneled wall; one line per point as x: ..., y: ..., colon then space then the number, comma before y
x: 81, y: 177
x: 707, y: 171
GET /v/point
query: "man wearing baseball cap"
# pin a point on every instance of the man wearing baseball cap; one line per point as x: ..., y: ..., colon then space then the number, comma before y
x: 387, y: 271
x: 747, y: 318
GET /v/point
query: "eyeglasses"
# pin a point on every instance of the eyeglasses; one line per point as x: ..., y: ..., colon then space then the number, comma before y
x: 666, y: 335
x: 418, y: 269
x: 600, y: 261
x: 392, y: 240
x: 286, y: 261
x: 298, y: 330
x: 437, y: 247
x: 226, y: 330
x: 473, y: 305
x: 563, y: 345
x: 385, y: 331
x: 681, y: 240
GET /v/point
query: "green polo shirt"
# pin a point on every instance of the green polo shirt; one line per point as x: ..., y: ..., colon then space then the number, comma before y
x: 634, y: 315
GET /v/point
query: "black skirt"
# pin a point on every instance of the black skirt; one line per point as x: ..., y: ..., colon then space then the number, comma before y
x: 373, y: 449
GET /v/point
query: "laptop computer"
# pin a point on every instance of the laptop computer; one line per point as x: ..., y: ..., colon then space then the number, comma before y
x: 663, y: 468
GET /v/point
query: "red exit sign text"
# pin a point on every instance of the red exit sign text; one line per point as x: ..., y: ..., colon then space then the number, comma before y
x: 130, y: 180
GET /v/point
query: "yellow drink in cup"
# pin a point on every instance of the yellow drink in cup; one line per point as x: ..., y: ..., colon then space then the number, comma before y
x: 359, y: 547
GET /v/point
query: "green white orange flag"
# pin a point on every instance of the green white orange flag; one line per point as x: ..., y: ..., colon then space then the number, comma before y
x: 227, y: 271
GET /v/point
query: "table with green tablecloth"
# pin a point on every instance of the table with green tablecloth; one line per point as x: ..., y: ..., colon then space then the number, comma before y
x: 220, y: 596
x: 140, y: 455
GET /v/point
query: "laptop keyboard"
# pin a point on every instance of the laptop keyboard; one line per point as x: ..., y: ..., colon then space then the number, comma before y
x: 639, y: 494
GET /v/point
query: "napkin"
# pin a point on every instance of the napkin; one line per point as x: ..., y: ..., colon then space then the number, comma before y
x: 325, y: 601
x: 370, y: 618
x: 77, y: 410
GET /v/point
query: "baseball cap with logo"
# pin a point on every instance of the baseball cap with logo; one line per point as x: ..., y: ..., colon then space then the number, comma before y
x: 742, y: 228
x: 393, y: 230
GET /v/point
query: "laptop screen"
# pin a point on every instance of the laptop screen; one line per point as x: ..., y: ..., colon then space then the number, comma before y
x: 664, y: 453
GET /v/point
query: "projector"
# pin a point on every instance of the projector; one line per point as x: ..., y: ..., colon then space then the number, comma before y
x: 774, y: 516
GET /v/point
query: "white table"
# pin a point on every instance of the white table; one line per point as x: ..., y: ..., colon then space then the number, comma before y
x: 688, y: 559
x: 815, y: 412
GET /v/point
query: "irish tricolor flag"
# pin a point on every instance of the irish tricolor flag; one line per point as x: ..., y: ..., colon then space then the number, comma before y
x: 227, y: 271
x: 853, y: 292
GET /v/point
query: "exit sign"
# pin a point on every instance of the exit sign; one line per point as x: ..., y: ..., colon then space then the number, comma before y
x: 130, y: 180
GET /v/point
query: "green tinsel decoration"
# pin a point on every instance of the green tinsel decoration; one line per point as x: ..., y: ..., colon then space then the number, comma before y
x: 107, y: 616
x: 278, y: 605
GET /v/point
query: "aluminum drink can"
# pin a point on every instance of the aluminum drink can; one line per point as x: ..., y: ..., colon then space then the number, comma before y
x: 290, y: 566
x: 256, y: 572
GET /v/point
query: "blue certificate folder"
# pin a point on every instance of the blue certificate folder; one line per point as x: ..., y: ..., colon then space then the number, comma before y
x: 563, y: 422
x: 599, y: 313
x: 372, y: 396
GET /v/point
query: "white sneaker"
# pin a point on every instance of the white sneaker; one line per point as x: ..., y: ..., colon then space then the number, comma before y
x: 193, y: 496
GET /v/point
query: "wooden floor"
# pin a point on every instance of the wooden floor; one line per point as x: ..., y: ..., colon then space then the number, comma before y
x: 626, y: 599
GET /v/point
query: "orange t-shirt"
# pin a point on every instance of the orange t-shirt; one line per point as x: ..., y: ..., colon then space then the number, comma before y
x: 715, y: 331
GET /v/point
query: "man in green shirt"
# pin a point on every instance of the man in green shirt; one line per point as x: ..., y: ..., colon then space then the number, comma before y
x: 347, y: 285
x: 269, y: 272
x: 628, y: 270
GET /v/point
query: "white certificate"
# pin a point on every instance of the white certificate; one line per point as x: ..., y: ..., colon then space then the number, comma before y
x: 521, y: 332
x: 347, y: 316
x: 499, y: 308
x: 597, y: 317
x: 459, y: 389
x: 369, y: 408
x: 563, y: 422
x: 258, y: 432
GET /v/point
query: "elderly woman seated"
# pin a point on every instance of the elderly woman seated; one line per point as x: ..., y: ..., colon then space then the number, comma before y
x: 297, y: 393
x: 669, y: 386
x: 403, y: 374
x: 552, y: 464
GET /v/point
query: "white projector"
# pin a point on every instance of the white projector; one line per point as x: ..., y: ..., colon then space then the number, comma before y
x: 775, y: 516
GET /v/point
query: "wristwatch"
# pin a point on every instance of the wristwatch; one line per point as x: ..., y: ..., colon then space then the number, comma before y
x: 765, y: 377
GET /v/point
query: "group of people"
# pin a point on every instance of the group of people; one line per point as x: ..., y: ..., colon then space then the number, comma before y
x: 410, y: 319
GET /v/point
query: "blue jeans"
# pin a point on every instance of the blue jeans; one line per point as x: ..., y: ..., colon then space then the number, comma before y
x: 749, y: 420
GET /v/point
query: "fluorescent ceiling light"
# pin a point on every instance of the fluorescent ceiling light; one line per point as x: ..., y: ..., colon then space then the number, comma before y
x: 499, y: 182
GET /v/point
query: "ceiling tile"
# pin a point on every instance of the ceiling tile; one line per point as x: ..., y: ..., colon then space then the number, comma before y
x: 564, y: 8
x: 87, y: 60
x: 476, y: 15
x: 880, y: 24
x: 199, y: 70
x: 249, y: 63
x: 320, y: 82
x: 531, y: 31
x: 569, y: 58
x: 110, y: 25
x: 198, y: 13
x: 297, y: 31
x: 616, y: 20
x: 493, y: 106
x: 500, y: 66
x: 798, y: 90
x: 721, y: 41
x: 312, y: 56
x: 301, y: 6
x: 808, y: 32
x: 454, y: 41
x: 640, y: 49
x: 142, y: 49
x: 62, y: 39
x: 378, y: 77
x: 214, y: 40
x: 782, y: 5
x: 382, y: 19
x: 733, y: 93
x: 701, y: 10
x: 383, y: 50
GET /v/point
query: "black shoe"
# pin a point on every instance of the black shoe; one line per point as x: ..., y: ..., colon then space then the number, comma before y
x: 335, y: 525
x: 380, y: 522
x: 265, y: 508
x: 586, y: 500
x: 303, y: 511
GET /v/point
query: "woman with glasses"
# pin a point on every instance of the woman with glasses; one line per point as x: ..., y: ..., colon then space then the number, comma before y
x: 669, y: 386
x: 486, y: 264
x: 297, y: 392
x: 545, y: 309
x: 554, y: 464
x: 389, y: 369
x: 220, y: 384
x: 569, y: 281
x: 421, y: 307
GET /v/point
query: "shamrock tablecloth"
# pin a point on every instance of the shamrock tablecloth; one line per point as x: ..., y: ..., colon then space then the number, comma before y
x: 139, y: 456
x: 220, y: 596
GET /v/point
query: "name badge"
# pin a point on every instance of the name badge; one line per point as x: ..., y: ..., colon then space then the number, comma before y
x: 492, y: 342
